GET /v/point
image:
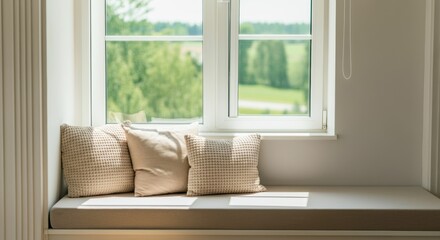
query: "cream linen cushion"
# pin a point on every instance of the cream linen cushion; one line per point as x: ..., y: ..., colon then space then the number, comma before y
x: 159, y: 159
x: 95, y: 160
x: 223, y: 166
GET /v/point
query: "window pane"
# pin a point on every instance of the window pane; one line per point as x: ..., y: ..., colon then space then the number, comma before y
x: 154, y: 81
x: 154, y: 17
x: 275, y: 16
x: 274, y: 77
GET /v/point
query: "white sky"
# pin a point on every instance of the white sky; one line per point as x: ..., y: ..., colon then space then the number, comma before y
x: 285, y: 11
x: 190, y: 11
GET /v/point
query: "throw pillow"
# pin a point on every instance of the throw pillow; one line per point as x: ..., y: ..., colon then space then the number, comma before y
x: 95, y: 160
x: 159, y: 159
x: 223, y: 166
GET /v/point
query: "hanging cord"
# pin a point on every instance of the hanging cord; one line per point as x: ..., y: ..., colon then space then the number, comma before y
x: 346, y: 75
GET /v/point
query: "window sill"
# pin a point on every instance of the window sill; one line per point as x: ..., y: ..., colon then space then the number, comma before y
x: 317, y: 136
x: 276, y: 136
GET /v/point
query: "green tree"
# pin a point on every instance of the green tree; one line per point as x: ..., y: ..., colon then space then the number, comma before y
x: 123, y: 92
x: 278, y: 65
x: 270, y: 64
x: 305, y: 76
x: 299, y: 68
x: 128, y: 17
x: 244, y: 75
x: 173, y: 84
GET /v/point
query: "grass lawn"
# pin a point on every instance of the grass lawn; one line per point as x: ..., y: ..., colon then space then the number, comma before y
x: 262, y: 93
x: 249, y: 111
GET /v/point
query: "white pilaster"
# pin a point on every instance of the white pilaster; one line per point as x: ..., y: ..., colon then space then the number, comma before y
x: 21, y: 125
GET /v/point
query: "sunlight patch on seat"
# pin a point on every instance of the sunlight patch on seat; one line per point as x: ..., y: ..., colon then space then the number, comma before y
x: 269, y: 201
x: 141, y: 202
x: 278, y: 194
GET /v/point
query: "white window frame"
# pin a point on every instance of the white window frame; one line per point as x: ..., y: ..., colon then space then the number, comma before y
x: 228, y: 84
x: 218, y: 110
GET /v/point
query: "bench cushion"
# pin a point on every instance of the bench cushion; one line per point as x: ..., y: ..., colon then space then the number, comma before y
x: 280, y: 208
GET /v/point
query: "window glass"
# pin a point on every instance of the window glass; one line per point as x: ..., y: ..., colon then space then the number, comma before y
x: 274, y: 77
x: 274, y: 59
x: 150, y: 80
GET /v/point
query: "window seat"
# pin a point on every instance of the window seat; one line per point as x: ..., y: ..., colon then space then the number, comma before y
x: 280, y: 208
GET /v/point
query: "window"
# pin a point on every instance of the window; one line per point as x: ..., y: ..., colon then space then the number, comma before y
x: 231, y: 65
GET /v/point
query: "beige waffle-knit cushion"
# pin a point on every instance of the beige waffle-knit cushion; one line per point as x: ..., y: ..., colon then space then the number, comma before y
x: 95, y: 160
x: 159, y: 159
x: 223, y: 166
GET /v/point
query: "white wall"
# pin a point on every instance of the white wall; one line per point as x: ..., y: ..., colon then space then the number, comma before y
x: 435, y: 183
x: 378, y: 111
x: 63, y: 87
x: 437, y: 43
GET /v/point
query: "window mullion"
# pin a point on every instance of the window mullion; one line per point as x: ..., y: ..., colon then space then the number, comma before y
x: 234, y: 45
x: 154, y: 38
x: 209, y: 64
x: 317, y: 58
x: 222, y: 63
x: 98, y: 101
x: 275, y: 37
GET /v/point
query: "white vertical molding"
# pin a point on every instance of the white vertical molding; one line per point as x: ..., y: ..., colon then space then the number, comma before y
x: 28, y: 57
x: 18, y: 130
x: 44, y: 153
x: 23, y: 115
x: 38, y: 14
x: 2, y: 135
x: 21, y: 205
x: 9, y: 118
x: 427, y: 99
x: 436, y: 105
